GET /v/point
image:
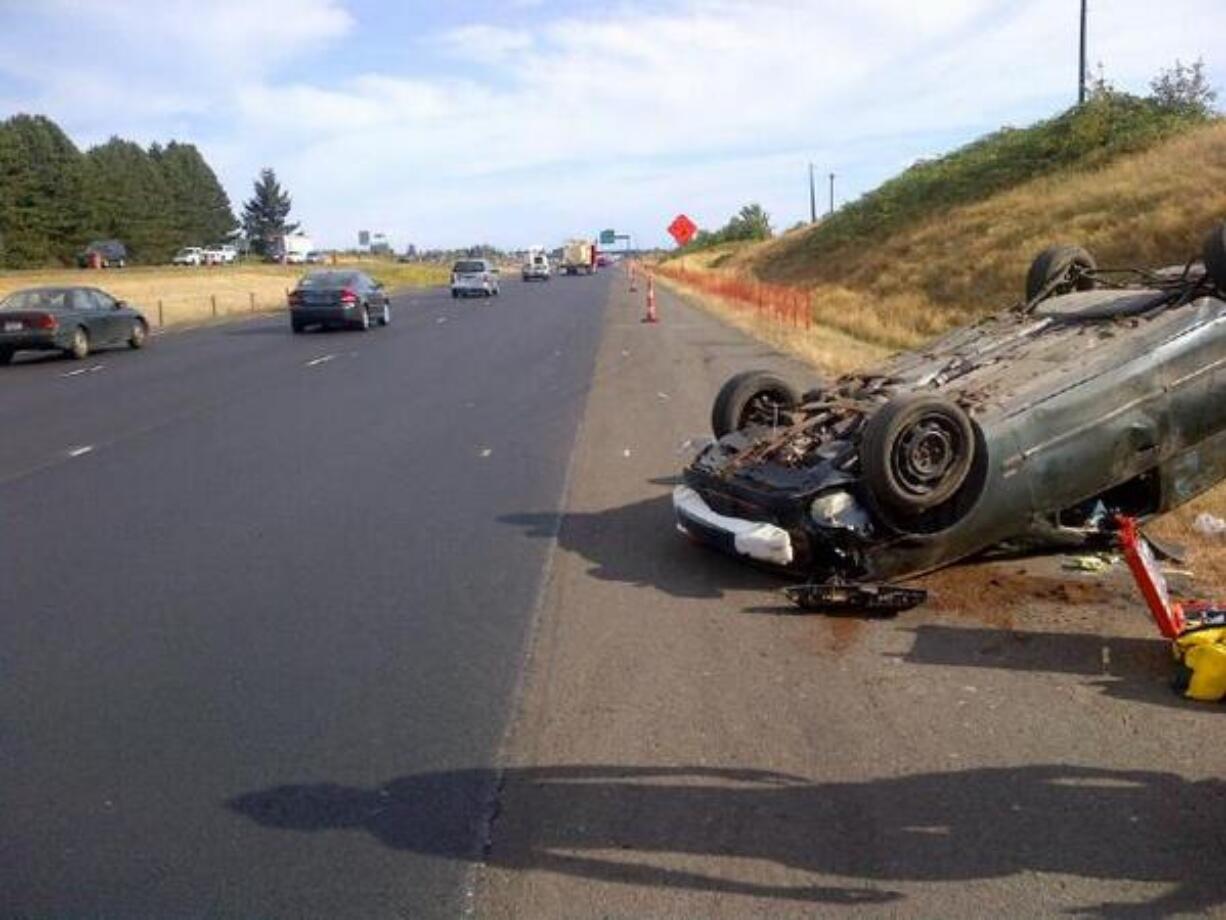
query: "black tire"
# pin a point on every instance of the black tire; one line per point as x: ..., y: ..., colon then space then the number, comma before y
x: 140, y: 335
x: 78, y: 350
x: 385, y: 318
x: 749, y: 398
x: 1214, y: 255
x: 455, y: 295
x: 1060, y: 268
x: 916, y: 451
x: 298, y: 327
x: 6, y: 356
x: 363, y: 324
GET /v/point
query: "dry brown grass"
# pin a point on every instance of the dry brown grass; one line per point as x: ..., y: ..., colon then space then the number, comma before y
x: 187, y: 294
x: 1151, y: 208
x: 823, y: 347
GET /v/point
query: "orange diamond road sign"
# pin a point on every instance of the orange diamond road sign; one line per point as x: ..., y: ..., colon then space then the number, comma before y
x: 682, y: 229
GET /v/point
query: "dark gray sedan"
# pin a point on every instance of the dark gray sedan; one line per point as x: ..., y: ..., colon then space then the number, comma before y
x: 338, y: 298
x: 71, y: 320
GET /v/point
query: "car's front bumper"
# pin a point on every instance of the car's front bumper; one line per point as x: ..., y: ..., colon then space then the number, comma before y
x: 757, y: 540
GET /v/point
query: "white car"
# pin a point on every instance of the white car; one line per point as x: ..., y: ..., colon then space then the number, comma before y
x: 220, y: 255
x: 474, y: 276
x: 189, y: 255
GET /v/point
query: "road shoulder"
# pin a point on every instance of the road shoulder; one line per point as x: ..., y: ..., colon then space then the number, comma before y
x: 685, y: 745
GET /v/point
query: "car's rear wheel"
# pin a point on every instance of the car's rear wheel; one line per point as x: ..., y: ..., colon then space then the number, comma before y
x: 6, y: 355
x: 385, y: 318
x: 78, y: 347
x: 1214, y: 255
x: 1059, y: 270
x: 751, y: 398
x: 297, y: 326
x: 139, y: 335
x: 364, y: 320
x: 915, y: 453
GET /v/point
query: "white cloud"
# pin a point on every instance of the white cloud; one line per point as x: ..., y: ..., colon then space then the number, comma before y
x: 480, y: 42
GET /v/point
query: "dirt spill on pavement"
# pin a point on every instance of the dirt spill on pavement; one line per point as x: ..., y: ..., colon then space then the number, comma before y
x: 993, y: 593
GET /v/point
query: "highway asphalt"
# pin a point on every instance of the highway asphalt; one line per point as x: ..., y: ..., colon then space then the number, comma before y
x: 247, y: 576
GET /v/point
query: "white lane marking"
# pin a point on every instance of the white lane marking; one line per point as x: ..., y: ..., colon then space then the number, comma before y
x: 80, y: 451
x: 322, y: 359
x: 441, y: 319
x: 84, y: 370
x: 486, y: 452
x: 663, y: 395
x: 626, y: 452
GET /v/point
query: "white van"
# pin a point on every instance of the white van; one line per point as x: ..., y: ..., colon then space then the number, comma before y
x: 536, y: 267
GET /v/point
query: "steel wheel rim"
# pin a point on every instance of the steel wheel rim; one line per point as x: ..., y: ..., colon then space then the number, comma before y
x: 926, y: 453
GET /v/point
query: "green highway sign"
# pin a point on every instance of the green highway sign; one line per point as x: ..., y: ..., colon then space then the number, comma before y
x: 607, y: 237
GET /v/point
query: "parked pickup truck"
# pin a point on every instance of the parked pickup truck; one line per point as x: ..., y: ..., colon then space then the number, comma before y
x: 220, y: 255
x: 189, y: 255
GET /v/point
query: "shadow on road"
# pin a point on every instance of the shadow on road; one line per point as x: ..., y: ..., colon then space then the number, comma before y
x: 279, y: 327
x: 1113, y: 825
x: 638, y: 544
x: 1137, y: 670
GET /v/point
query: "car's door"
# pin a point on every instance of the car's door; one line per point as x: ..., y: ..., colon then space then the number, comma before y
x: 83, y: 310
x: 106, y: 322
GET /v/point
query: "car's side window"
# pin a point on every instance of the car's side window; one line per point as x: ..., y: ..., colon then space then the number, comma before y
x: 102, y: 300
x: 82, y: 300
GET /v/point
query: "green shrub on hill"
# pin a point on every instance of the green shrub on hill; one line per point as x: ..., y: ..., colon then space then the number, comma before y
x: 1108, y: 125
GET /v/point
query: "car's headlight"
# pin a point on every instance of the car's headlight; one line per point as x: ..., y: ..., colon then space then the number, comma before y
x: 839, y: 510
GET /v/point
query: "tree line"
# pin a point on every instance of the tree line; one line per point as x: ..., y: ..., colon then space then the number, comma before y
x: 54, y: 199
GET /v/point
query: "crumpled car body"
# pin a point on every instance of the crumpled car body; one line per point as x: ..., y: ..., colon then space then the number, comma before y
x: 1082, y: 406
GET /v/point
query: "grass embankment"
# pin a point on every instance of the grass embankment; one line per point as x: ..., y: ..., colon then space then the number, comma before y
x: 951, y: 239
x: 903, y: 287
x: 187, y: 293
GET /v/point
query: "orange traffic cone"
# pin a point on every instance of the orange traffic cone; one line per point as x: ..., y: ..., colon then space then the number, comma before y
x: 651, y: 316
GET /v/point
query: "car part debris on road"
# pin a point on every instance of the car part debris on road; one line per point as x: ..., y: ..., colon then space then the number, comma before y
x: 1196, y: 629
x: 1209, y: 524
x: 836, y: 596
x: 1090, y: 562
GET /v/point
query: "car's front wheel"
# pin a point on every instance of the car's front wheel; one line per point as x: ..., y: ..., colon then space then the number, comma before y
x: 6, y: 356
x: 751, y: 398
x: 916, y: 451
x: 139, y: 335
x: 386, y: 318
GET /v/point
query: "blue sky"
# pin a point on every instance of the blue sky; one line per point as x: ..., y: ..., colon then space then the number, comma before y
x: 527, y: 121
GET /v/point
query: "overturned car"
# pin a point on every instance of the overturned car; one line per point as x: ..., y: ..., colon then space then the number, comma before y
x: 1103, y: 393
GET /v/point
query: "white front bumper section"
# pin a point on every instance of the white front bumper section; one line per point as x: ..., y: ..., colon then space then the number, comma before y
x: 754, y: 539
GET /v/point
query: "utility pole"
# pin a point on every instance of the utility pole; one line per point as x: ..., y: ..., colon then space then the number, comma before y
x: 1081, y: 58
x: 832, y: 193
x: 812, y: 197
